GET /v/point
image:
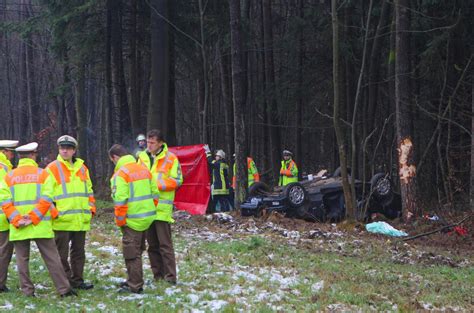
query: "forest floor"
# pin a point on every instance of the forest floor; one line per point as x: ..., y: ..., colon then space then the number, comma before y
x: 231, y: 263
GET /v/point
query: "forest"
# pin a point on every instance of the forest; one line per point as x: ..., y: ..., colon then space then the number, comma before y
x: 375, y: 86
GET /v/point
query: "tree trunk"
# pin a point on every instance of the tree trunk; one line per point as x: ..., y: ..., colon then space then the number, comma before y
x: 159, y: 85
x: 406, y: 163
x: 120, y: 116
x: 81, y: 112
x: 238, y: 76
x: 205, y: 79
x: 472, y: 143
x: 108, y: 107
x: 350, y: 210
x: 272, y: 107
x: 134, y: 102
x: 171, y: 133
x: 226, y: 99
x: 300, y: 91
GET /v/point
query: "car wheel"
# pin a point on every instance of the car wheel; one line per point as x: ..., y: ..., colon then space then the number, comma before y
x: 258, y: 189
x: 381, y: 188
x: 296, y: 194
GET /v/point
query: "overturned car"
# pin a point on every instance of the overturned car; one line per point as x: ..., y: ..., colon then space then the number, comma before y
x: 322, y: 198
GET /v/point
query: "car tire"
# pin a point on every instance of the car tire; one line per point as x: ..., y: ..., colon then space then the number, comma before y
x: 258, y: 189
x: 296, y: 194
x: 381, y: 188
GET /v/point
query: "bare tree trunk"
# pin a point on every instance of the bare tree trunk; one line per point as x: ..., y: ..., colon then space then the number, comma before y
x: 354, y: 142
x: 272, y: 107
x: 374, y: 78
x: 407, y: 167
x: 34, y: 121
x: 299, y: 103
x: 238, y: 76
x: 159, y: 85
x: 134, y: 101
x: 472, y: 143
x: 350, y: 210
x: 226, y: 98
x: 108, y: 107
x: 171, y: 133
x: 81, y: 113
x: 205, y: 79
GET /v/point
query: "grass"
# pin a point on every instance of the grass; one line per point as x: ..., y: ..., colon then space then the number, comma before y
x: 244, y: 272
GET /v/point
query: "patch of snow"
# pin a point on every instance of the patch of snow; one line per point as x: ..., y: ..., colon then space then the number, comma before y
x: 101, y: 306
x: 171, y: 291
x: 117, y: 280
x: 214, y: 305
x: 193, y: 298
x: 109, y: 249
x: 7, y: 306
x: 317, y: 287
x: 285, y: 282
x: 41, y: 287
x: 236, y: 290
x: 134, y: 296
x: 246, y: 275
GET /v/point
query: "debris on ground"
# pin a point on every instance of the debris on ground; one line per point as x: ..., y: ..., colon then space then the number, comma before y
x: 384, y: 229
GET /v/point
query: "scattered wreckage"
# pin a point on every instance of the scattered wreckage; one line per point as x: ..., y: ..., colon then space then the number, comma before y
x: 321, y: 198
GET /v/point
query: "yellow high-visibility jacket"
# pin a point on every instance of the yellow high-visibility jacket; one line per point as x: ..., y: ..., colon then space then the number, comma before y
x: 133, y: 192
x: 26, y: 191
x: 253, y: 175
x: 73, y: 195
x: 5, y: 167
x: 167, y: 175
x: 288, y: 172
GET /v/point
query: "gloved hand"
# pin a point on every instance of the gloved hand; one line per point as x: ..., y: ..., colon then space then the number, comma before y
x: 206, y: 149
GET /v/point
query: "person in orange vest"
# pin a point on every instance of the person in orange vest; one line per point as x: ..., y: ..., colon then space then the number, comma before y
x: 288, y: 170
x: 135, y: 197
x: 6, y: 247
x: 27, y: 203
x: 166, y: 170
x: 75, y: 202
x: 253, y: 175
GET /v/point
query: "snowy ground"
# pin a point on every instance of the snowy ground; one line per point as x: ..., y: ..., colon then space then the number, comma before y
x: 227, y: 265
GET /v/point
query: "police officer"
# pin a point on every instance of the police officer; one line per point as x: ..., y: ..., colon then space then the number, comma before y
x: 6, y: 247
x: 166, y: 171
x: 74, y: 198
x: 288, y: 170
x: 133, y: 192
x: 28, y: 205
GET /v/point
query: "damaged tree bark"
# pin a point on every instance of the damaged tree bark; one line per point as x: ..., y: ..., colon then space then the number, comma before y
x: 406, y: 163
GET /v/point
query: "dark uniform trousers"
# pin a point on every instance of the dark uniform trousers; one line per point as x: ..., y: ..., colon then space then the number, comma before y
x: 50, y: 255
x: 6, y: 251
x: 161, y: 251
x: 133, y: 245
x: 75, y: 268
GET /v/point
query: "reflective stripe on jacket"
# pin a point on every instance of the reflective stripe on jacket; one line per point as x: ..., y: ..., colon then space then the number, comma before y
x: 133, y: 192
x: 73, y: 195
x: 288, y: 172
x: 26, y: 190
x: 253, y: 175
x: 167, y: 176
x: 5, y: 167
x: 220, y: 178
